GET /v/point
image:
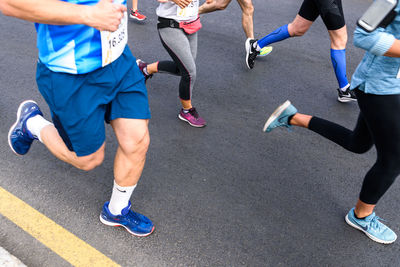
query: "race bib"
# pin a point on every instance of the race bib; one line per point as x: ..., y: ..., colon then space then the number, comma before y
x: 113, y: 43
x: 190, y: 11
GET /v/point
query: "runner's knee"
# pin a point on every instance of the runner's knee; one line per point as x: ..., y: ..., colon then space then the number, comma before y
x: 360, y: 148
x: 136, y: 143
x: 88, y: 163
x: 297, y: 29
x: 189, y: 76
x: 247, y: 7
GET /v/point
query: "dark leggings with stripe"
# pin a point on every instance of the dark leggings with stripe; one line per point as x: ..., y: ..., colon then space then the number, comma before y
x: 378, y: 123
x: 183, y: 50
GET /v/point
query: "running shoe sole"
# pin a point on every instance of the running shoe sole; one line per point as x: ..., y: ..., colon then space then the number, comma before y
x: 266, y: 54
x: 118, y: 224
x: 247, y: 46
x: 16, y: 122
x: 278, y: 111
x: 345, y: 99
x: 133, y: 17
x: 183, y: 119
x: 365, y: 232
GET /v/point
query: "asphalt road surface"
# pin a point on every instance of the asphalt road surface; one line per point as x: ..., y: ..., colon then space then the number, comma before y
x: 225, y: 195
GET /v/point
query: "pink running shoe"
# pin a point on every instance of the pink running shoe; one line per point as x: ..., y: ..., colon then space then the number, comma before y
x: 143, y: 68
x: 192, y: 117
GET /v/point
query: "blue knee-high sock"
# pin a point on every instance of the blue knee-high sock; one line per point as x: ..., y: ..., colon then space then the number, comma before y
x: 338, y: 58
x: 279, y: 34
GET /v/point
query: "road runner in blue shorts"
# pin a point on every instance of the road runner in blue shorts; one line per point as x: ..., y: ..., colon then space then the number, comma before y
x: 88, y: 76
x: 331, y: 12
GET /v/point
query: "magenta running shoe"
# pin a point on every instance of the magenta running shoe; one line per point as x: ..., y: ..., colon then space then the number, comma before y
x: 143, y: 68
x: 192, y: 117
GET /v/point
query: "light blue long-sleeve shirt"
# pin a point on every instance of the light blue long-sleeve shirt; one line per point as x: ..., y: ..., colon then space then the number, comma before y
x: 377, y: 74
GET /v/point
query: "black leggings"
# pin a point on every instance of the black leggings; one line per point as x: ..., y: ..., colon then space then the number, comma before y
x: 331, y: 12
x: 378, y: 123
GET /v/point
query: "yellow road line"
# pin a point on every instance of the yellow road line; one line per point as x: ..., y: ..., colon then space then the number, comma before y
x: 53, y: 236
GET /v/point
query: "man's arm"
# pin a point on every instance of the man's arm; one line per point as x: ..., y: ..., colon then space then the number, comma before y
x: 103, y: 16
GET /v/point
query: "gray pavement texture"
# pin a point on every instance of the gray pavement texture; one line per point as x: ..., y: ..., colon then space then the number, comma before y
x: 8, y: 260
x: 225, y: 195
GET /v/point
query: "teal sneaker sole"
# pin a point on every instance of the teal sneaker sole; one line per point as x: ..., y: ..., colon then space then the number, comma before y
x: 278, y: 111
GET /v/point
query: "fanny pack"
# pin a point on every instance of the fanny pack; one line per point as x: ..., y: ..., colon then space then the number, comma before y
x: 189, y: 27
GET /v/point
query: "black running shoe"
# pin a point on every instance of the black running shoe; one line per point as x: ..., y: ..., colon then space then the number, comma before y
x: 346, y: 96
x: 251, y: 52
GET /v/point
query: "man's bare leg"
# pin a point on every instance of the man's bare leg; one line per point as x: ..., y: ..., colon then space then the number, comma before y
x: 52, y: 140
x: 247, y: 17
x: 133, y: 139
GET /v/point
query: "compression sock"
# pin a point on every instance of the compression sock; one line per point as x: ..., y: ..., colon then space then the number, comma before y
x: 120, y: 198
x: 338, y: 58
x: 279, y: 34
x: 36, y: 124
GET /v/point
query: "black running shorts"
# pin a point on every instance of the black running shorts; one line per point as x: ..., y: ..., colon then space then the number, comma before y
x: 331, y: 12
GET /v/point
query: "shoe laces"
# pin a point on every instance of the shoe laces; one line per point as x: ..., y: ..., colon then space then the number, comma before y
x: 132, y: 217
x: 254, y: 53
x: 194, y: 113
x: 375, y: 223
x: 25, y: 135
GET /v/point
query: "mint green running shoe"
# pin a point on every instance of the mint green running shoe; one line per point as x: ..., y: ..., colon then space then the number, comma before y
x: 265, y: 51
x: 280, y: 117
x: 372, y: 227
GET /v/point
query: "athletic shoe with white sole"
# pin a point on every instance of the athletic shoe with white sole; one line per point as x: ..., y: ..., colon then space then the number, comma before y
x: 280, y: 117
x: 251, y: 52
x: 19, y: 137
x: 143, y: 68
x: 192, y: 117
x: 135, y: 14
x: 346, y: 96
x: 135, y: 223
x: 372, y: 227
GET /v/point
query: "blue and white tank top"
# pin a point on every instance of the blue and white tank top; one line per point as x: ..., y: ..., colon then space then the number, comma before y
x: 79, y: 49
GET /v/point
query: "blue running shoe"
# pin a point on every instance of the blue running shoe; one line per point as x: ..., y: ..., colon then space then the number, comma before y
x: 19, y: 137
x: 280, y: 117
x: 135, y: 223
x: 372, y: 227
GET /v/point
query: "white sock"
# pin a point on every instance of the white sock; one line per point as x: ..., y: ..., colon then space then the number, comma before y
x: 36, y: 124
x: 258, y: 48
x: 343, y: 89
x: 120, y: 198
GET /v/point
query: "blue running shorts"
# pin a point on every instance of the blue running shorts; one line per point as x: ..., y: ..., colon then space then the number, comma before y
x: 80, y: 103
